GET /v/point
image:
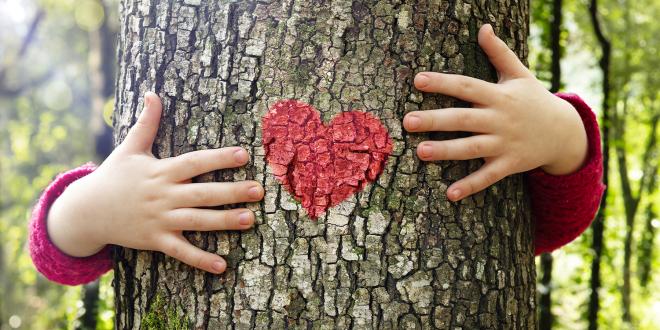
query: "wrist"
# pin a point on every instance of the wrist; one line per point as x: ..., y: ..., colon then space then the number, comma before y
x: 70, y: 222
x: 572, y: 147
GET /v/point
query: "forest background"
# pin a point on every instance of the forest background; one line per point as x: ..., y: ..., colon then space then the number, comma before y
x: 57, y: 62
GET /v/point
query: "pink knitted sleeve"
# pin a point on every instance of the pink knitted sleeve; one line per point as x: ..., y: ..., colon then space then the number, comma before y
x: 47, y: 258
x: 564, y: 206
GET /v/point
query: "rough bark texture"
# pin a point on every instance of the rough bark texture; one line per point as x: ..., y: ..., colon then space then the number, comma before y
x: 396, y: 255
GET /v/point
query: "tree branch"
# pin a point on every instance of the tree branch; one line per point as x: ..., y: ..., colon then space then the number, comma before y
x: 27, y: 40
x: 10, y: 91
x: 632, y: 201
x: 25, y: 45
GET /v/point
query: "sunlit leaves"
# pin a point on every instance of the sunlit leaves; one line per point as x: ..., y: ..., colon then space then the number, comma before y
x: 89, y: 14
x: 20, y: 141
x: 108, y: 108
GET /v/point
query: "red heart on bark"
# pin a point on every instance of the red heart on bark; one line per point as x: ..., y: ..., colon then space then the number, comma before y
x: 322, y: 165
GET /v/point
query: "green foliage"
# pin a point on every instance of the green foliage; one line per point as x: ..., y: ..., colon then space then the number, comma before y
x: 43, y: 131
x: 632, y: 27
x: 539, y: 39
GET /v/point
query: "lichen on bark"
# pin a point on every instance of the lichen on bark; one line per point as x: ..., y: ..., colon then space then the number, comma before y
x: 397, y: 254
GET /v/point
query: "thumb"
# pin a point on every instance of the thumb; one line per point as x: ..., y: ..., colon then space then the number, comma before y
x: 141, y: 136
x: 503, y: 58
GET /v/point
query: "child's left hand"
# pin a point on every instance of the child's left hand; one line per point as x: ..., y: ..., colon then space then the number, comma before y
x: 520, y: 125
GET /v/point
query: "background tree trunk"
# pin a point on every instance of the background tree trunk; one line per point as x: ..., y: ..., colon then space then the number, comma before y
x: 102, y: 42
x: 396, y: 255
x: 598, y: 225
x: 546, y: 318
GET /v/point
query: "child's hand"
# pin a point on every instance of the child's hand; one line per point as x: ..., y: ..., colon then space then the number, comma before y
x: 520, y: 125
x: 138, y: 201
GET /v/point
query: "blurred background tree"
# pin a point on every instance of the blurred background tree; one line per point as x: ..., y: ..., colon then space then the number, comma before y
x: 57, y: 63
x: 57, y: 60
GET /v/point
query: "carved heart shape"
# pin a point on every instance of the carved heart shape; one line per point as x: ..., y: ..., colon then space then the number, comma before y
x: 322, y: 165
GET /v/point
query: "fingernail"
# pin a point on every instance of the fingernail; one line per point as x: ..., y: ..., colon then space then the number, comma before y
x: 455, y: 194
x: 244, y: 218
x: 425, y: 151
x: 414, y: 122
x: 490, y: 29
x: 147, y: 101
x: 219, y: 266
x: 240, y: 156
x: 255, y: 192
x: 421, y: 80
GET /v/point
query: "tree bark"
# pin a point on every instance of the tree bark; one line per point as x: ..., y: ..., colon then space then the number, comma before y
x: 397, y: 254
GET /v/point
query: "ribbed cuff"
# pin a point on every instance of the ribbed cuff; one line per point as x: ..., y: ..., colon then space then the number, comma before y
x: 564, y: 205
x: 50, y: 260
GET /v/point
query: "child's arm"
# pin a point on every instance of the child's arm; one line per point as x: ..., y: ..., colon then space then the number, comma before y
x: 520, y: 127
x: 565, y: 205
x: 47, y: 258
x: 137, y: 201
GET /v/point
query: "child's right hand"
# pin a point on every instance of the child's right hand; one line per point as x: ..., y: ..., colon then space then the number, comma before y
x: 138, y: 201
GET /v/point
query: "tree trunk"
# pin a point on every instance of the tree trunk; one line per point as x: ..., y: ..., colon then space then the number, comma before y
x: 598, y: 225
x: 102, y: 67
x: 546, y: 318
x: 632, y: 201
x: 90, y: 300
x: 397, y: 254
x: 646, y: 247
x: 102, y: 84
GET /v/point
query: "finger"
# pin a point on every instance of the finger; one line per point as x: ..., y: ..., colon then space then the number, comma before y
x: 472, y: 147
x: 483, y: 178
x: 176, y: 246
x: 503, y: 58
x: 461, y: 87
x: 192, y: 219
x: 195, y: 163
x: 141, y: 136
x: 217, y: 193
x: 450, y: 119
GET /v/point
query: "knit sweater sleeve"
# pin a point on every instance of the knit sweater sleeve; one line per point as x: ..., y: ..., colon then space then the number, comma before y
x: 47, y: 258
x: 564, y: 206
